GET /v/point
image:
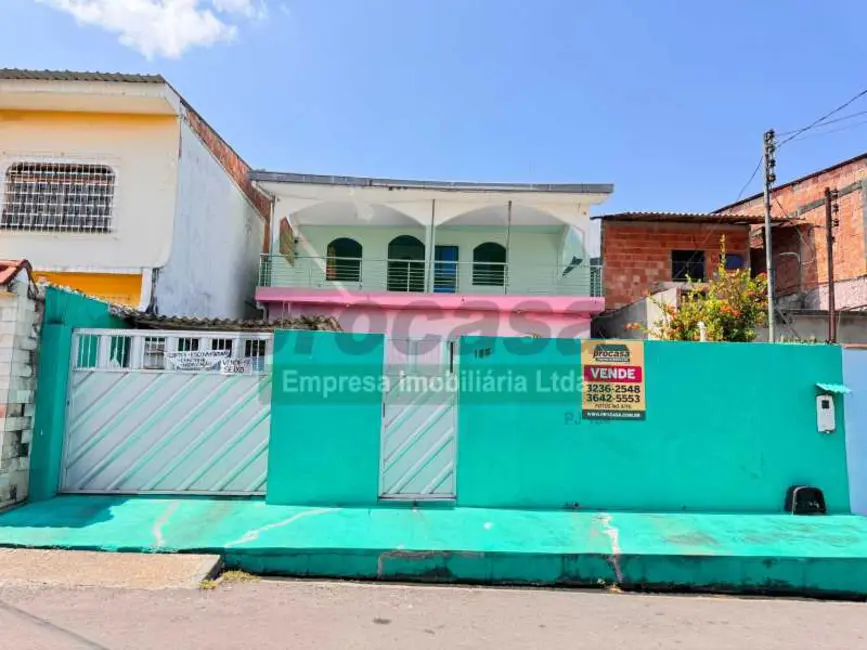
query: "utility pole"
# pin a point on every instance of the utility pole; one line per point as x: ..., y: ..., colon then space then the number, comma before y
x: 770, y: 177
x: 831, y: 221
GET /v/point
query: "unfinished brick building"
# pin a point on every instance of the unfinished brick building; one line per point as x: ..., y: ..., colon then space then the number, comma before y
x: 647, y: 251
x: 799, y: 239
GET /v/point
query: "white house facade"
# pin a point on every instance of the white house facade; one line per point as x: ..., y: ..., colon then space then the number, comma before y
x: 417, y: 257
x: 113, y: 185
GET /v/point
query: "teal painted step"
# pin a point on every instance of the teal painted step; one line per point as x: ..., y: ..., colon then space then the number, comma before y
x: 732, y: 553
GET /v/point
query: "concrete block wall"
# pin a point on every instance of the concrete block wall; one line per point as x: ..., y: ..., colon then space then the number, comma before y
x: 20, y: 322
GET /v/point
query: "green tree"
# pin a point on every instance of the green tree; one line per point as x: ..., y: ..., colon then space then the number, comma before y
x: 731, y: 306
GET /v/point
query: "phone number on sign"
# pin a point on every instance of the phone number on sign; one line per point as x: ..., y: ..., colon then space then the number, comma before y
x: 608, y: 398
x: 613, y: 388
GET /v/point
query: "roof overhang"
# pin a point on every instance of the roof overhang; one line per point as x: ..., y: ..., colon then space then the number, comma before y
x: 685, y: 217
x: 87, y: 95
x: 391, y: 184
x: 834, y: 389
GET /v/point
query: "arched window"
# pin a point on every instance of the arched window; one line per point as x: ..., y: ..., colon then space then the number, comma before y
x: 343, y: 263
x: 489, y: 265
x: 405, y: 264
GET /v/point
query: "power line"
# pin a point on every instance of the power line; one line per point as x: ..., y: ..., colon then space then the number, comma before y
x: 770, y: 177
x: 749, y: 180
x: 818, y: 121
x: 830, y: 131
x: 822, y: 121
x: 827, y: 122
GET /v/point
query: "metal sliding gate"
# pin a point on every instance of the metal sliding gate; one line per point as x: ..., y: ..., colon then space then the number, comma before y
x: 419, y: 424
x: 167, y: 412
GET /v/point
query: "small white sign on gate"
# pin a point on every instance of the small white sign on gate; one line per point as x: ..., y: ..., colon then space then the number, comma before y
x: 235, y: 367
x: 196, y: 360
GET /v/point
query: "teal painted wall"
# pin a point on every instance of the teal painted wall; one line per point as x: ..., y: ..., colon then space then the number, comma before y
x: 324, y: 445
x: 729, y: 428
x: 64, y: 311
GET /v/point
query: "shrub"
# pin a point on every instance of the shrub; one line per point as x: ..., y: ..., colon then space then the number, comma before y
x: 731, y: 306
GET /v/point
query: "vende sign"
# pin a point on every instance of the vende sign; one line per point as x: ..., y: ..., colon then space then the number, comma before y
x: 614, y: 380
x: 618, y: 374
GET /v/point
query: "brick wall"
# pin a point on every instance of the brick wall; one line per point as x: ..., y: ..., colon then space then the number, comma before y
x: 20, y: 319
x: 803, y: 201
x: 637, y: 255
x: 789, y: 244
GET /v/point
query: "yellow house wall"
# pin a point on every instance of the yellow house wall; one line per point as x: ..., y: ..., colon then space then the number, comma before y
x: 118, y: 288
x: 142, y: 150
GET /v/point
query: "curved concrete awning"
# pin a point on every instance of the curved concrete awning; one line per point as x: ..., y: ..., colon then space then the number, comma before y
x: 325, y: 200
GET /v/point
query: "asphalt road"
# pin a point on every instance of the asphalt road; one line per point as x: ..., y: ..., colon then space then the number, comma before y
x: 325, y: 616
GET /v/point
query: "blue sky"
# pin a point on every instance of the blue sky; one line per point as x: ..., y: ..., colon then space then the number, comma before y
x: 667, y: 99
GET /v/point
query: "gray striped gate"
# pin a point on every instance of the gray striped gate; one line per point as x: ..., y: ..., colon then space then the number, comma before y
x: 419, y: 424
x: 167, y: 412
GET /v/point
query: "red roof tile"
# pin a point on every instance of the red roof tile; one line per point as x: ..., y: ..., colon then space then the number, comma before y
x: 11, y: 268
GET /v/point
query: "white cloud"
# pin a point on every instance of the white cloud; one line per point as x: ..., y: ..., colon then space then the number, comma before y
x: 248, y: 8
x: 164, y: 27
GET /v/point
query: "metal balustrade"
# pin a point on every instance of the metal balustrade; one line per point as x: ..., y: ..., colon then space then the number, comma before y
x: 410, y: 276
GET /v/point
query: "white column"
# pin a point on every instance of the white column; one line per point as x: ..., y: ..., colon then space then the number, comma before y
x: 507, y: 270
x: 429, y: 247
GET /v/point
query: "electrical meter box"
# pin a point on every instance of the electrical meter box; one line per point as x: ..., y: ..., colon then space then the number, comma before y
x: 825, y: 417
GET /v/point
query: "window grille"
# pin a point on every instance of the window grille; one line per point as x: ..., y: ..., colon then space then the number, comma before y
x: 39, y: 196
x: 255, y: 350
x: 187, y: 344
x: 154, y: 353
x: 222, y: 344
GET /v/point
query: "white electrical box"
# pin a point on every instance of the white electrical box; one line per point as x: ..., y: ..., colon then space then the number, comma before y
x: 825, y: 413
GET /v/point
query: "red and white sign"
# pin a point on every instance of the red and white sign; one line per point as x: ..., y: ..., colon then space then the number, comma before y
x: 625, y: 374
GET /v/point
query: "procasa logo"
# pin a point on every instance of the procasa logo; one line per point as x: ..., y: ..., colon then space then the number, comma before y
x: 611, y: 353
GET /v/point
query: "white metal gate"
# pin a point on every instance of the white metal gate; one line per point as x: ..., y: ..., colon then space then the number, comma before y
x: 168, y: 412
x: 419, y: 423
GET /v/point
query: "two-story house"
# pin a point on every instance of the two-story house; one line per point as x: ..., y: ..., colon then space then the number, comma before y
x: 419, y: 258
x: 113, y: 185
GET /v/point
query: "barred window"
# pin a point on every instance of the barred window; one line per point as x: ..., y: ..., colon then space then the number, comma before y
x: 57, y: 197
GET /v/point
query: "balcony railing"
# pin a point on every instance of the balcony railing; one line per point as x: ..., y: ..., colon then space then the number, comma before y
x: 410, y: 276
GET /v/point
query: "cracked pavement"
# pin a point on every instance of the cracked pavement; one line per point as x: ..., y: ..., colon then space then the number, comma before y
x: 333, y: 615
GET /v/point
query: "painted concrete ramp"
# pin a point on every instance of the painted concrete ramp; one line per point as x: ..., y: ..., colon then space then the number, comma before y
x: 705, y: 552
x: 39, y: 567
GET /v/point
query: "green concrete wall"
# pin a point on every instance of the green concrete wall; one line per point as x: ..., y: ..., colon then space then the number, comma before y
x: 64, y: 311
x: 324, y: 445
x: 729, y: 428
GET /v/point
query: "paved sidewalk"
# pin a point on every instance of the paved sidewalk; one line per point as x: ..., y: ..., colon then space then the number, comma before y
x: 341, y: 616
x: 25, y: 567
